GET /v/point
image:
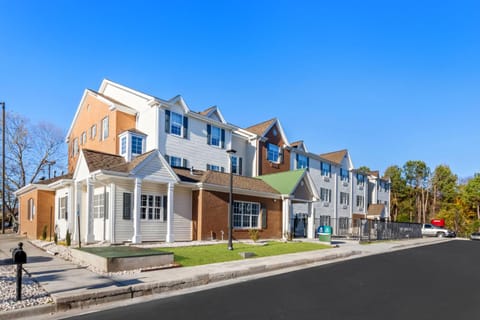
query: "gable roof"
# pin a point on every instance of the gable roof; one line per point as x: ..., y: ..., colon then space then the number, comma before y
x: 261, y: 128
x: 335, y: 156
x: 284, y: 182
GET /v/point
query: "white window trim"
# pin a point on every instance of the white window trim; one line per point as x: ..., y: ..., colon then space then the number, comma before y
x: 172, y: 114
x: 161, y: 213
x: 259, y: 225
x: 277, y: 153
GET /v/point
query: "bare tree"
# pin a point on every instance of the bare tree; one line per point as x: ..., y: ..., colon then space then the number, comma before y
x: 30, y: 149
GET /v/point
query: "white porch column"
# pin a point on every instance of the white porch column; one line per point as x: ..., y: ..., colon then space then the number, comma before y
x: 111, y: 209
x: 89, y: 236
x: 286, y: 208
x: 170, y: 197
x: 311, y: 221
x: 76, y: 210
x: 137, y: 192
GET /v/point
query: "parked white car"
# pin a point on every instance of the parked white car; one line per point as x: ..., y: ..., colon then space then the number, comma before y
x: 429, y: 230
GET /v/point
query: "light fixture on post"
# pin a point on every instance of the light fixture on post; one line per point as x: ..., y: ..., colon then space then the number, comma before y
x: 230, y: 152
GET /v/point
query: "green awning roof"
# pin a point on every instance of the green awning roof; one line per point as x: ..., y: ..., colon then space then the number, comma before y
x: 284, y: 182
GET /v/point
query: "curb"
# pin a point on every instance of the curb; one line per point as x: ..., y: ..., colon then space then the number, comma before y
x: 145, y: 289
x: 28, y: 312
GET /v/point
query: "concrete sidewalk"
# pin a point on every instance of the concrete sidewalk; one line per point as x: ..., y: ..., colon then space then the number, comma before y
x: 71, y: 286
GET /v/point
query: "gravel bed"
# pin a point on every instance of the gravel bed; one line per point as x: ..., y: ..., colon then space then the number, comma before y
x: 32, y: 293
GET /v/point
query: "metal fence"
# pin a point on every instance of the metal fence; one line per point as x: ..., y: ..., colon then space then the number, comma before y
x: 370, y: 230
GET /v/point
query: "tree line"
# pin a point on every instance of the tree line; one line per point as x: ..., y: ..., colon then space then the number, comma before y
x: 418, y: 195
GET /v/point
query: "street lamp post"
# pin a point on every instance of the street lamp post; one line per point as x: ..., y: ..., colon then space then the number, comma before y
x: 230, y: 152
x: 3, y: 167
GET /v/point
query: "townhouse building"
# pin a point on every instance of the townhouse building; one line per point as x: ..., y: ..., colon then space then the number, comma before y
x: 147, y: 169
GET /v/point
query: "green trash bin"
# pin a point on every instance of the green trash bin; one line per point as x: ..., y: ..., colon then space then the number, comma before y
x: 325, y: 237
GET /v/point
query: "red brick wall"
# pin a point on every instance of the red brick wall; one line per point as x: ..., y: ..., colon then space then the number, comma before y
x: 211, y: 216
x: 267, y: 167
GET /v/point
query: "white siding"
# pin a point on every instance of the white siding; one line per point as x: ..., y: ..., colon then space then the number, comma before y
x: 154, y: 170
x: 125, y: 97
x: 123, y: 228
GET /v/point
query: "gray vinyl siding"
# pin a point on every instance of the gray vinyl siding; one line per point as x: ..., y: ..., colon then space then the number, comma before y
x: 155, y: 170
x: 123, y: 228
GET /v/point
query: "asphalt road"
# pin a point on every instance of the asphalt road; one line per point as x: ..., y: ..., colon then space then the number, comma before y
x: 432, y: 282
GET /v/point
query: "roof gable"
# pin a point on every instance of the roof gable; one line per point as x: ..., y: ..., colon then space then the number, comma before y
x: 263, y: 128
x: 284, y: 182
x: 214, y: 114
x: 299, y: 145
x: 341, y: 158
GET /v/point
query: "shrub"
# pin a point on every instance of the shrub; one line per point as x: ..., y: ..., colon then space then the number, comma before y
x: 55, y: 238
x: 253, y: 234
x: 44, y: 232
x: 68, y: 239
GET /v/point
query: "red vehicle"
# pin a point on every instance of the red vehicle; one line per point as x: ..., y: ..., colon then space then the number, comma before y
x: 438, y: 222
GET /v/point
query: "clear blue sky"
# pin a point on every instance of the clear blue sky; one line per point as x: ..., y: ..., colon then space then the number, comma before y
x: 390, y: 81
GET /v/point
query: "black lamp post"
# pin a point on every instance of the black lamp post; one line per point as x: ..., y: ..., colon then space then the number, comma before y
x: 230, y: 152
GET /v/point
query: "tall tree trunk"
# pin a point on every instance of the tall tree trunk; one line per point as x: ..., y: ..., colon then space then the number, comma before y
x: 434, y: 202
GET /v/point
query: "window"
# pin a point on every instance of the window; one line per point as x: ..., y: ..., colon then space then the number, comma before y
x: 137, y: 145
x: 273, y: 153
x: 213, y: 167
x: 360, y: 179
x: 123, y: 146
x: 360, y: 202
x: 215, y: 136
x: 325, y: 195
x: 175, y: 161
x: 31, y: 209
x: 344, y: 175
x: 324, y: 221
x: 105, y: 128
x: 246, y: 214
x: 152, y: 207
x: 62, y: 208
x: 93, y: 131
x: 237, y: 165
x: 99, y: 209
x: 326, y: 169
x: 84, y: 138
x: 344, y: 198
x: 176, y: 124
x: 75, y: 147
x: 302, y: 161
x: 176, y: 121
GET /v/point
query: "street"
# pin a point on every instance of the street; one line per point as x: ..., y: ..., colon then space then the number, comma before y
x: 432, y: 282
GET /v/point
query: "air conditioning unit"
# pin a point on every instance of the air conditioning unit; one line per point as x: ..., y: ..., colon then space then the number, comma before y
x: 327, y: 179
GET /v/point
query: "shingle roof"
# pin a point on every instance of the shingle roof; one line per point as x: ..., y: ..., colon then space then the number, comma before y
x: 97, y: 160
x: 375, y: 209
x: 207, y: 111
x: 296, y: 143
x: 284, y: 182
x: 335, y: 156
x: 259, y: 129
x: 223, y: 179
x: 54, y: 179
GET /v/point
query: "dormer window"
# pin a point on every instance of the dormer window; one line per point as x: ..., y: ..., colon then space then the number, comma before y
x: 132, y: 144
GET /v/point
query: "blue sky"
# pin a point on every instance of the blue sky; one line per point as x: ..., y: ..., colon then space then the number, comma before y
x: 390, y: 81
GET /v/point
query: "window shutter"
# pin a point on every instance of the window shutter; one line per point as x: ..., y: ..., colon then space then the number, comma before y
x: 185, y: 127
x: 59, y: 206
x: 164, y: 203
x: 240, y: 166
x: 167, y: 121
x: 264, y: 218
x: 308, y: 162
x: 222, y: 169
x: 223, y: 139
x: 127, y: 206
x: 208, y: 167
x: 167, y: 158
x: 66, y: 208
x: 280, y: 155
x: 185, y: 163
x: 209, y: 133
x: 105, y: 208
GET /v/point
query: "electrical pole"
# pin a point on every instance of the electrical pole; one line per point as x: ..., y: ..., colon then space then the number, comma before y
x: 3, y: 166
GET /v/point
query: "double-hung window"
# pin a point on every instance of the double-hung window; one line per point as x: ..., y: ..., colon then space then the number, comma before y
x: 93, y: 131
x: 100, y: 205
x: 302, y: 161
x: 273, y: 153
x: 237, y: 165
x: 246, y: 214
x: 360, y: 201
x: 213, y: 167
x: 215, y: 136
x: 326, y: 169
x: 344, y: 175
x: 31, y: 209
x: 105, y: 128
x: 176, y: 121
x: 153, y: 207
x: 175, y: 161
x: 123, y: 145
x: 75, y: 147
x: 360, y: 179
x: 325, y: 195
x: 344, y: 198
x: 137, y: 145
x: 62, y: 208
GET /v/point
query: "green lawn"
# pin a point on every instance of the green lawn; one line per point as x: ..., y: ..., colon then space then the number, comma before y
x: 198, y: 255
